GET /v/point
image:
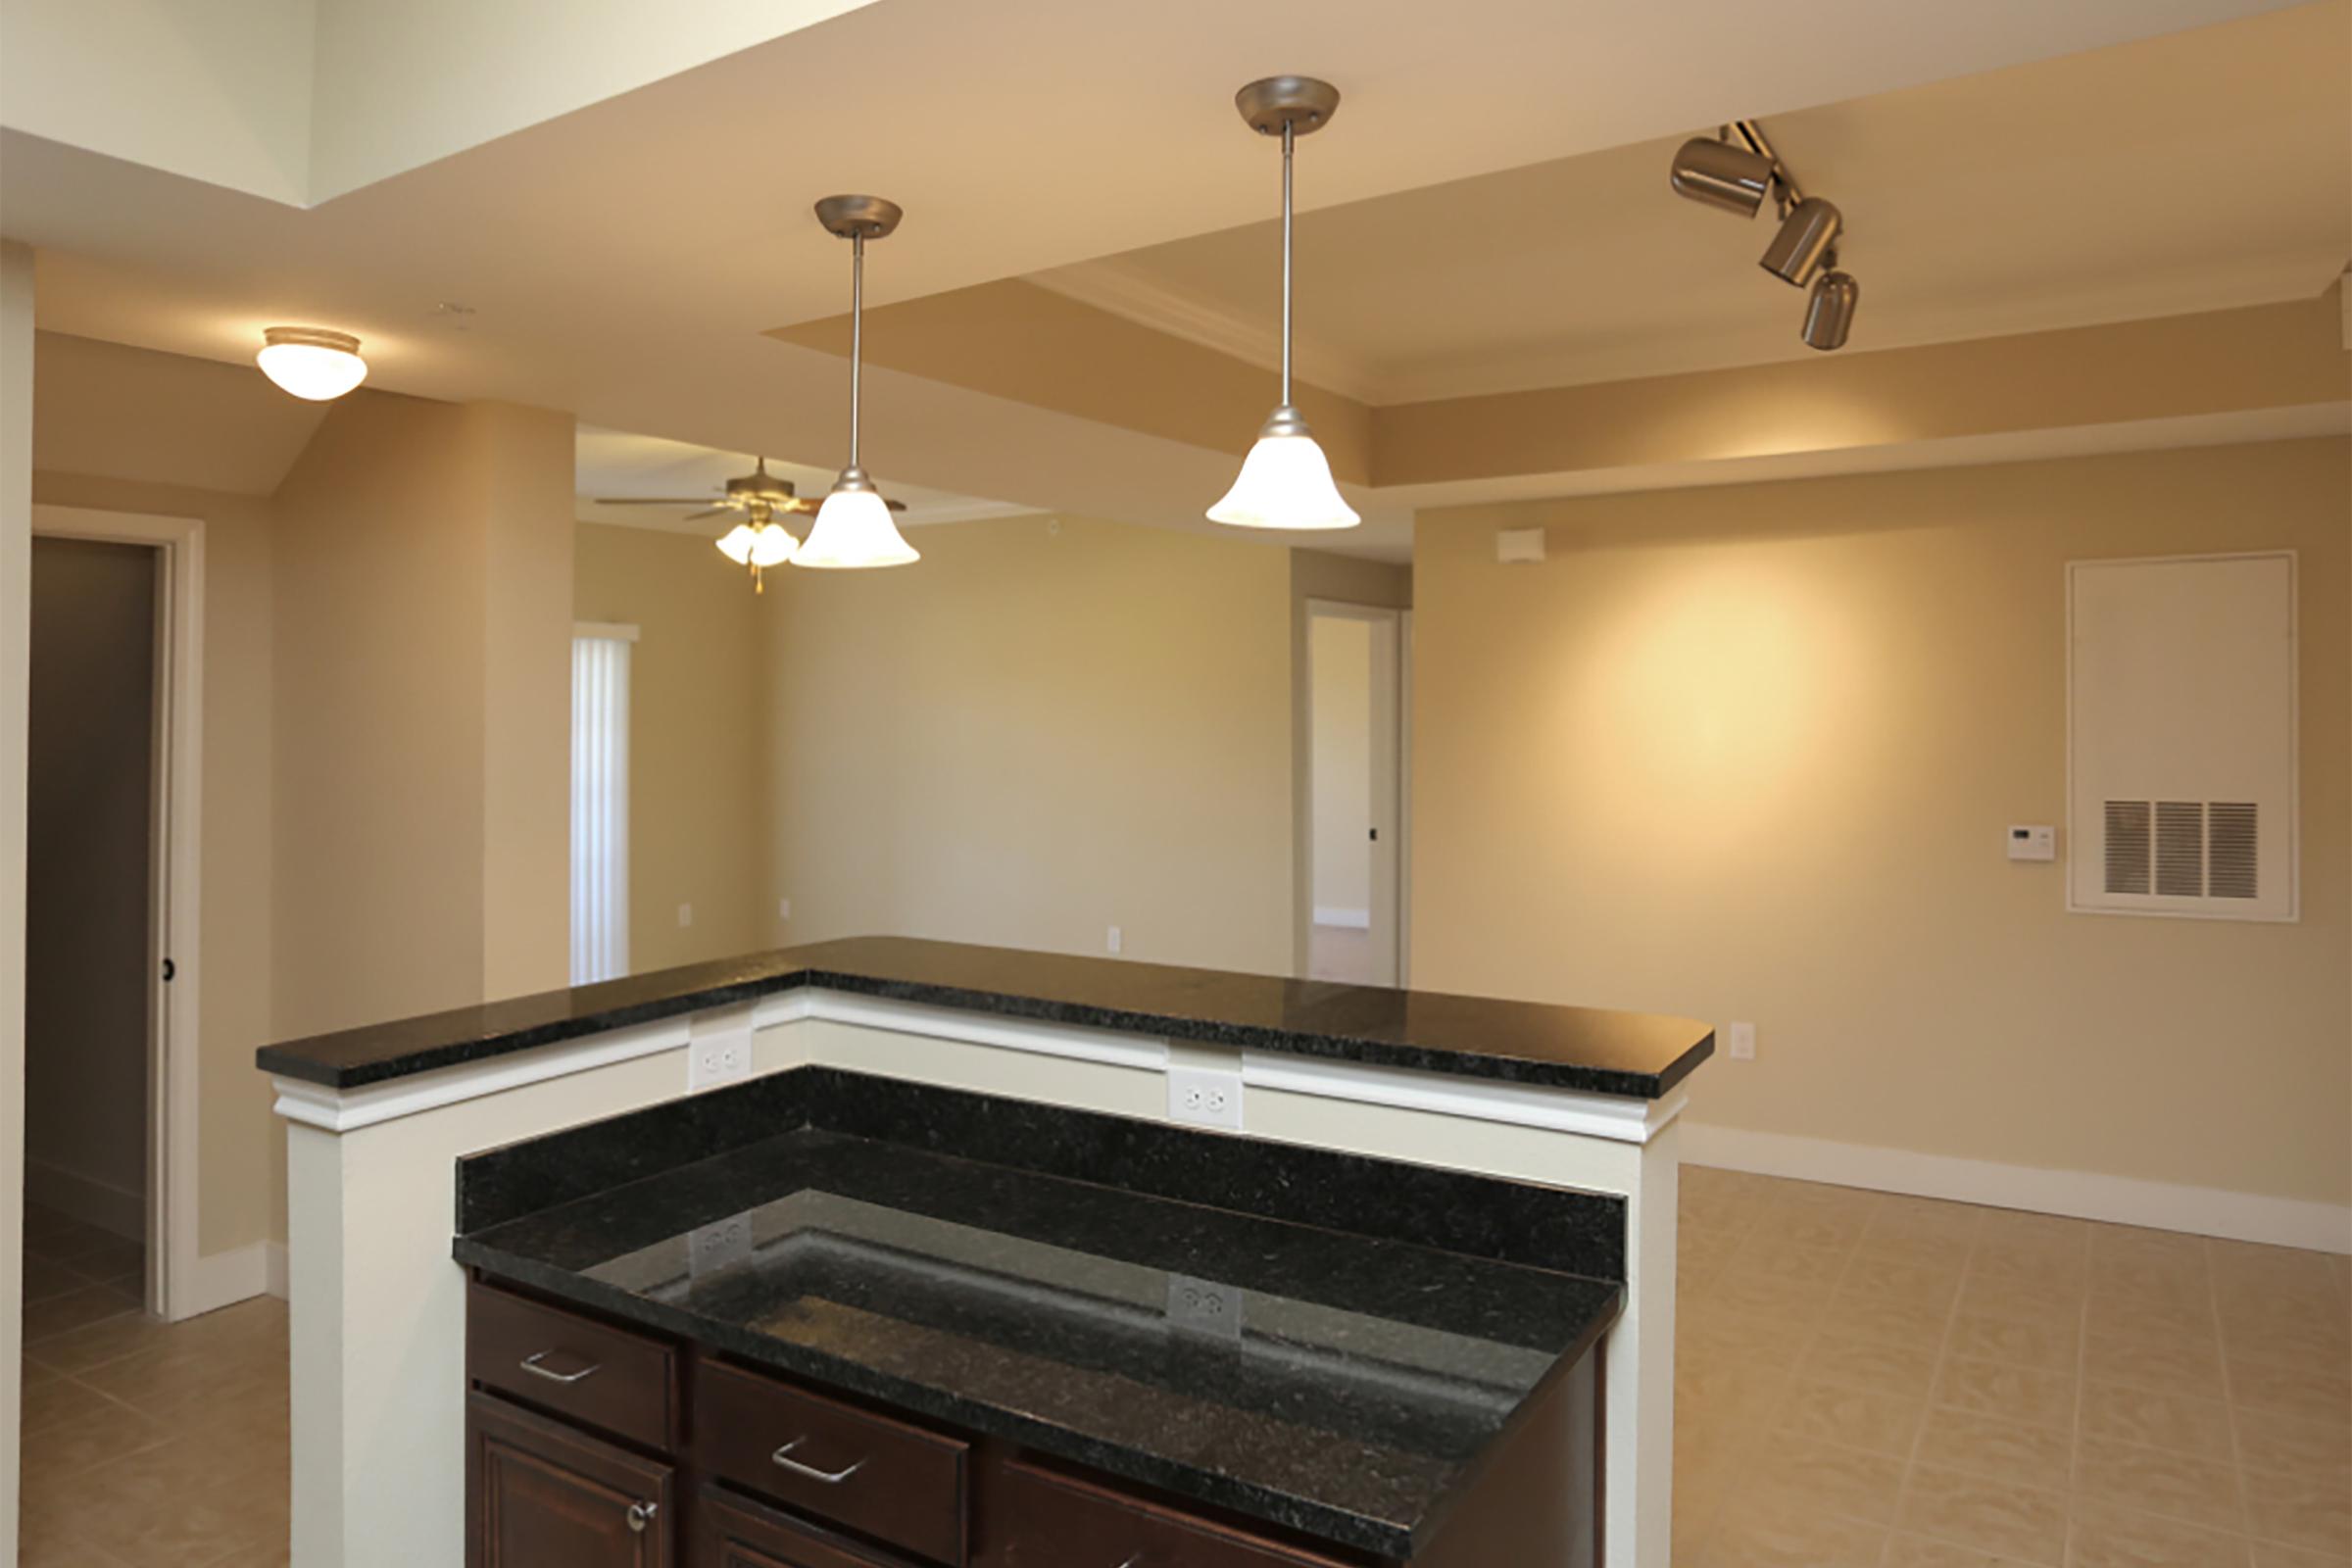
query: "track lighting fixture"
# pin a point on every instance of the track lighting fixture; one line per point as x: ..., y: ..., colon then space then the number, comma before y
x: 1735, y: 172
x: 1286, y: 480
x: 1722, y: 175
x: 1830, y: 311
x: 852, y: 528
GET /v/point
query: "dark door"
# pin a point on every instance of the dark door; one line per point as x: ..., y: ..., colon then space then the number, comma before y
x: 540, y: 1494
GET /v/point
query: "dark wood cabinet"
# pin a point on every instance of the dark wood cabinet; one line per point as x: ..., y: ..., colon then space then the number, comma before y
x: 543, y: 1494
x: 596, y: 1444
x: 737, y: 1533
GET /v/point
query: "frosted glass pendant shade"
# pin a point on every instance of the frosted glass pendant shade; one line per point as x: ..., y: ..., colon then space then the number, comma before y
x: 312, y: 362
x: 737, y: 545
x: 1285, y: 483
x: 853, y: 528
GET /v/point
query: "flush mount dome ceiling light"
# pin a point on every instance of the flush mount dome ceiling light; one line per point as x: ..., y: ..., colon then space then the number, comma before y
x: 311, y: 361
x: 854, y: 527
x: 1286, y: 480
x: 1735, y: 172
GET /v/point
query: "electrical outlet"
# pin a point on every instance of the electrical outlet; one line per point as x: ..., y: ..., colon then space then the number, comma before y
x: 1203, y: 1097
x: 718, y: 1243
x: 1740, y: 1039
x: 1203, y: 1307
x: 719, y: 1058
x: 685, y: 914
x: 1113, y: 939
x: 783, y: 909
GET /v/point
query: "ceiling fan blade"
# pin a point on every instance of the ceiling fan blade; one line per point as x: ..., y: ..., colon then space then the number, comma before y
x: 653, y: 501
x: 714, y: 512
x: 896, y: 506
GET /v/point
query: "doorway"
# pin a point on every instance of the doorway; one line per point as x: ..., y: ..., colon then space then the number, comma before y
x: 91, y: 881
x: 111, y: 918
x: 1355, y: 797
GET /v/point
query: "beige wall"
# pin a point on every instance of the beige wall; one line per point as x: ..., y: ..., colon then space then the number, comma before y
x: 1340, y: 669
x: 88, y: 856
x: 1747, y: 754
x: 697, y: 718
x: 1048, y: 727
x: 240, y: 1169
x: 424, y: 580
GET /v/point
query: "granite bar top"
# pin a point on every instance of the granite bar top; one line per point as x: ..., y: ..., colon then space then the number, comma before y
x: 1329, y: 1380
x: 1634, y: 1055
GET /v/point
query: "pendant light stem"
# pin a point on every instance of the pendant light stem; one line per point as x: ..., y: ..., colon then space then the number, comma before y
x: 1288, y: 139
x: 857, y: 334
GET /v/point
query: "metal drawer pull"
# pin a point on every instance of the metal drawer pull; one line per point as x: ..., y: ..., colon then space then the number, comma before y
x: 831, y: 1478
x: 642, y: 1514
x: 530, y: 1365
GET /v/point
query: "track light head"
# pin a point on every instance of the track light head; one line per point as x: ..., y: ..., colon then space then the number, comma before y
x: 1829, y: 313
x: 1803, y: 243
x: 1722, y: 175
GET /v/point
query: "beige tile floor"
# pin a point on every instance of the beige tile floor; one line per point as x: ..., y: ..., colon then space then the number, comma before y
x: 145, y: 1446
x: 1887, y: 1382
x: 1864, y: 1380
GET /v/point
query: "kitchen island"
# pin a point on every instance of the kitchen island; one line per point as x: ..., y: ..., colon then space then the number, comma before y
x: 1404, y: 1231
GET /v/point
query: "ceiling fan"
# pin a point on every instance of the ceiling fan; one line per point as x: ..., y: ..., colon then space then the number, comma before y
x: 758, y: 542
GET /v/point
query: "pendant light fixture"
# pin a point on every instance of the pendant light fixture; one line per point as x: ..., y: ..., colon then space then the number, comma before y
x: 311, y: 361
x: 1286, y: 480
x: 852, y: 528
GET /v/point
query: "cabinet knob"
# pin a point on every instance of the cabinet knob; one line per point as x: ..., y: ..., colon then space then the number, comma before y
x: 642, y: 1514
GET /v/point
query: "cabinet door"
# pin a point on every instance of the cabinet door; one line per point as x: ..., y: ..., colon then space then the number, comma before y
x: 540, y: 1494
x: 733, y: 1532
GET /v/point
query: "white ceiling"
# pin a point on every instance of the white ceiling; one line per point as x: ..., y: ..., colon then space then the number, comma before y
x: 623, y: 259
x: 2195, y: 172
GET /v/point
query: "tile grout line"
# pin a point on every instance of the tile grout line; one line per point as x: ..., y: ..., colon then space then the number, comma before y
x: 1943, y: 1358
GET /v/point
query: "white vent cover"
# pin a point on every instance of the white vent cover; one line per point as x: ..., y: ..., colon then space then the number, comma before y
x: 2181, y: 736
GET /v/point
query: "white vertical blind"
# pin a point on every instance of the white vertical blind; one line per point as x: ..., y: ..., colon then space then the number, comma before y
x: 600, y: 803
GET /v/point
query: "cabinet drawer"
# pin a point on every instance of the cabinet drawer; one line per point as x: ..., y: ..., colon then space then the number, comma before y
x: 877, y: 1476
x: 588, y: 1372
x: 1049, y: 1520
x: 736, y: 1533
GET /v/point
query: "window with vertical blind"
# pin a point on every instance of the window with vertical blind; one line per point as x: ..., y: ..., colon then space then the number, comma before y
x: 600, y: 801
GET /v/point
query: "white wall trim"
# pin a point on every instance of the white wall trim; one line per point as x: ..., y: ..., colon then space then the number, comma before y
x: 342, y: 1110
x: 1618, y: 1118
x: 608, y: 630
x: 173, y: 1122
x: 117, y: 1211
x: 1621, y: 1119
x: 2082, y: 1195
x: 1110, y: 1047
x: 224, y: 1279
x: 1332, y: 915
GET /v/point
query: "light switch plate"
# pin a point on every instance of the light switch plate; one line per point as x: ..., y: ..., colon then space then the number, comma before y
x: 1740, y: 1041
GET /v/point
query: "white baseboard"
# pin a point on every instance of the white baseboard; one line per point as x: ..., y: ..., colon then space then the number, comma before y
x: 2081, y: 1195
x: 224, y: 1279
x: 117, y: 1211
x: 1349, y: 919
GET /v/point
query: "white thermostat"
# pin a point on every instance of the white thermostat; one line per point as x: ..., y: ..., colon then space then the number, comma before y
x: 2030, y: 843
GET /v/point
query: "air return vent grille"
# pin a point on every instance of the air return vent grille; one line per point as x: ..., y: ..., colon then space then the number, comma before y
x: 2182, y: 849
x: 2181, y: 736
x: 2128, y: 856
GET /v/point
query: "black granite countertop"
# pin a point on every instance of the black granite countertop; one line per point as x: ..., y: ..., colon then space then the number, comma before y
x: 1634, y: 1055
x: 1346, y: 1388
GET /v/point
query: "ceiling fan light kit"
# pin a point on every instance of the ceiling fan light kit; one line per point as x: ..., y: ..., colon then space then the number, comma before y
x: 1734, y: 174
x: 1286, y: 480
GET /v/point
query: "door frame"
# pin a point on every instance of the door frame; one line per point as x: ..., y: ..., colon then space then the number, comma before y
x: 1392, y: 772
x: 176, y: 868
